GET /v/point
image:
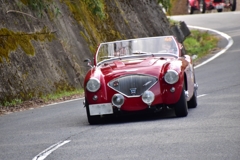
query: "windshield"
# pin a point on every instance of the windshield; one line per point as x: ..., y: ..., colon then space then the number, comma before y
x: 126, y: 48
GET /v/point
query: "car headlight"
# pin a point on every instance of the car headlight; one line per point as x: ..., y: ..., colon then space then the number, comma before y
x: 171, y: 77
x: 93, y: 85
x: 117, y: 100
x: 148, y: 97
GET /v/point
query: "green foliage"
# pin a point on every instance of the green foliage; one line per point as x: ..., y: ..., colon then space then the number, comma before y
x: 96, y: 7
x: 97, y: 28
x: 165, y: 3
x: 36, y: 5
x: 57, y: 11
x: 62, y: 94
x: 14, y: 102
x: 41, y: 6
x: 46, y: 98
x: 200, y: 43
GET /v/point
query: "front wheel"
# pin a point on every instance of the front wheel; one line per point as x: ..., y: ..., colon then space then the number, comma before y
x: 192, y: 103
x: 233, y: 4
x: 189, y: 8
x: 202, y: 6
x: 181, y: 108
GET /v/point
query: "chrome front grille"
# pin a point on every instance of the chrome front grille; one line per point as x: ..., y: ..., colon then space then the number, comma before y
x: 132, y: 85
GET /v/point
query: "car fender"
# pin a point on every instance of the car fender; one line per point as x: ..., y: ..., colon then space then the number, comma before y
x: 101, y: 93
x: 169, y: 96
x: 189, y: 72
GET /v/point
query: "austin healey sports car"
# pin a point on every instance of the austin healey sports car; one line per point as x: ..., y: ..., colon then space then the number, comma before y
x: 203, y: 5
x: 143, y: 74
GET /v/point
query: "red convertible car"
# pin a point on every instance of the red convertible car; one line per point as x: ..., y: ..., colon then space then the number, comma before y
x: 143, y: 74
x: 203, y: 5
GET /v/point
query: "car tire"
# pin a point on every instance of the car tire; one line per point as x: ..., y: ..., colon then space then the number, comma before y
x: 202, y: 6
x: 233, y: 5
x: 91, y: 119
x: 192, y: 103
x: 190, y: 9
x: 181, y: 108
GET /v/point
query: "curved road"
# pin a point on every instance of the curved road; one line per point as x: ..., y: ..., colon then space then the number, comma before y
x: 210, y: 131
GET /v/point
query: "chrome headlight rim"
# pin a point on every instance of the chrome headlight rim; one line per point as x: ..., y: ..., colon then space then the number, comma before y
x: 150, y: 97
x: 171, y: 76
x: 93, y: 85
x: 119, y: 97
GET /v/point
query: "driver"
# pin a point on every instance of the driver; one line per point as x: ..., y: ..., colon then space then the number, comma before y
x: 167, y: 45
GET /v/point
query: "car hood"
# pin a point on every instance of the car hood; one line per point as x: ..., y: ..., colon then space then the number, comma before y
x: 150, y: 66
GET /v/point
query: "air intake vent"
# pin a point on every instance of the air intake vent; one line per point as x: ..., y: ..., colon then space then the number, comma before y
x: 132, y: 85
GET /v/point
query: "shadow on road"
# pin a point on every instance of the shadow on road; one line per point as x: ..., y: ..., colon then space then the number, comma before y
x: 164, y: 114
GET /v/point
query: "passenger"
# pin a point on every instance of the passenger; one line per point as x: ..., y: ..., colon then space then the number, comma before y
x: 120, y: 52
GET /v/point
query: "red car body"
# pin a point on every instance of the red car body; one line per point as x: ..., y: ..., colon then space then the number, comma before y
x: 136, y: 75
x: 203, y: 5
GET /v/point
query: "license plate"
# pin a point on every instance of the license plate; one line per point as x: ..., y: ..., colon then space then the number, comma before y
x: 100, y: 109
x: 220, y: 6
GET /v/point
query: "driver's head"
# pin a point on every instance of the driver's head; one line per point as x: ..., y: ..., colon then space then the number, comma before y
x: 167, y: 43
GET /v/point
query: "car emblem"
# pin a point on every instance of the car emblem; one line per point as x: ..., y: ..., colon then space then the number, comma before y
x: 115, y: 84
x: 133, y: 91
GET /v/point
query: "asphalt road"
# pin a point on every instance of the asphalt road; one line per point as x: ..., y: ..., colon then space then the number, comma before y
x: 209, y: 132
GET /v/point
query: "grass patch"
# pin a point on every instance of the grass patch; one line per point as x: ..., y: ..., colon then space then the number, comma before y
x: 62, y: 94
x: 14, y: 102
x: 200, y: 43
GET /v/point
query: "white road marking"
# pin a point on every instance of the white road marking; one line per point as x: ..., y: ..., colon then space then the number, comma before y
x: 48, y: 151
x: 202, y: 95
x: 230, y: 43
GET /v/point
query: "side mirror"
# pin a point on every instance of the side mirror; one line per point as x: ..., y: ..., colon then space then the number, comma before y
x: 89, y: 63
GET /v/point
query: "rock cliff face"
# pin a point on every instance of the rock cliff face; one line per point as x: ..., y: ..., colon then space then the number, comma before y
x: 43, y: 42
